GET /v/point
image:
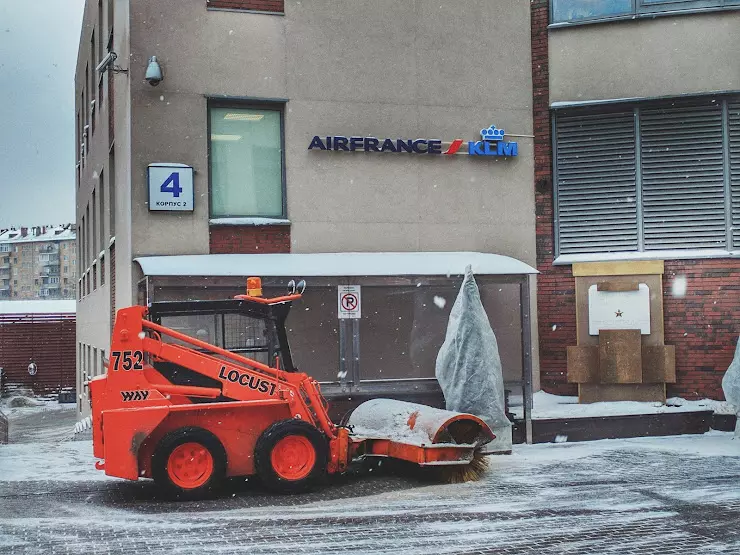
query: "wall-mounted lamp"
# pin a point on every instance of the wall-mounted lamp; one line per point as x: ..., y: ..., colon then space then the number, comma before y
x: 153, y: 72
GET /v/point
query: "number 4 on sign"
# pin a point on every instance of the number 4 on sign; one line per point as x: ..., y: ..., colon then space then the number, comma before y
x: 172, y: 185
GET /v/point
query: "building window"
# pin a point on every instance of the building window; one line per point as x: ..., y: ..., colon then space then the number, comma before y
x: 246, y: 158
x: 577, y: 11
x: 101, y: 195
x: 112, y: 192
x: 94, y: 231
x: 94, y: 274
x: 102, y: 269
x: 653, y: 176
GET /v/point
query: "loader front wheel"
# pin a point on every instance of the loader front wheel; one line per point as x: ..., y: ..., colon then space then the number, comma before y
x: 291, y: 456
x: 189, y: 463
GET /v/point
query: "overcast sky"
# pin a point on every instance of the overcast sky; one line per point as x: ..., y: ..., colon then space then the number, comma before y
x: 38, y: 53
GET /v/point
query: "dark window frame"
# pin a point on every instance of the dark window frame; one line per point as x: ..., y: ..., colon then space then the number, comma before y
x: 640, y: 9
x: 275, y: 105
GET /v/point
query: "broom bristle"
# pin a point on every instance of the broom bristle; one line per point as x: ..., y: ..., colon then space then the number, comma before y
x: 458, y: 474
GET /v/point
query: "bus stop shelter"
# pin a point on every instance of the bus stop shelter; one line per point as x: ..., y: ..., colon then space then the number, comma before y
x: 369, y: 324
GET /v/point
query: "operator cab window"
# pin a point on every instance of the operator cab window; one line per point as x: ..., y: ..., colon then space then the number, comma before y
x: 237, y: 333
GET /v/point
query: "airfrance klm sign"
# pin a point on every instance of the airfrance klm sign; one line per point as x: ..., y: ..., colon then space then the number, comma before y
x: 492, y: 144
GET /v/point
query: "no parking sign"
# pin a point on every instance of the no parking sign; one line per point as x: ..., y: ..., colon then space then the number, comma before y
x: 349, y: 302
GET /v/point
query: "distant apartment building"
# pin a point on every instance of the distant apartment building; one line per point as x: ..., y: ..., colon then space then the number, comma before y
x: 38, y: 263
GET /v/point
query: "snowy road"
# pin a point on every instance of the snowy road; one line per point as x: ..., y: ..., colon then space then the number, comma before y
x: 667, y: 495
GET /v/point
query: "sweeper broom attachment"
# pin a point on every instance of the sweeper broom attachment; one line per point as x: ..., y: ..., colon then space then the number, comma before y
x: 446, y: 443
x: 190, y: 409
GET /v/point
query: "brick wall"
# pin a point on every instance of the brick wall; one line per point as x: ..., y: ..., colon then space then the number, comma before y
x: 703, y: 325
x: 556, y: 285
x: 46, y: 339
x: 276, y: 6
x: 246, y: 239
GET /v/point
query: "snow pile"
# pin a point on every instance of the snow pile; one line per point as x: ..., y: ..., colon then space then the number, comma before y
x: 38, y: 307
x: 333, y: 264
x: 719, y: 407
x: 468, y: 364
x: 391, y: 419
x: 731, y: 386
x: 547, y: 406
x: 21, y: 401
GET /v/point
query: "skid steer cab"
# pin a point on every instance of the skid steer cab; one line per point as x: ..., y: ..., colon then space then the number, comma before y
x: 197, y: 391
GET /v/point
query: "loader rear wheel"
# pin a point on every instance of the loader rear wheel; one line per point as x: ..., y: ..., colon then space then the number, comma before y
x: 189, y: 463
x: 291, y: 456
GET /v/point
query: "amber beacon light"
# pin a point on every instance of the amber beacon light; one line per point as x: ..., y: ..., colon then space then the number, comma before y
x: 254, y: 287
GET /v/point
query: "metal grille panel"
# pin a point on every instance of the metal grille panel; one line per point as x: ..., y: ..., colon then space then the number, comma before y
x: 597, y: 207
x: 683, y: 177
x: 734, y: 125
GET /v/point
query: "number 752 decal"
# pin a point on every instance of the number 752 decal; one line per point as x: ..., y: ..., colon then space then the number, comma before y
x: 127, y: 360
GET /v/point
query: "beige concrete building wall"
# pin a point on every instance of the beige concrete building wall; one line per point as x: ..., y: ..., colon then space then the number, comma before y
x: 382, y: 68
x: 102, y: 172
x: 422, y: 71
x: 665, y: 56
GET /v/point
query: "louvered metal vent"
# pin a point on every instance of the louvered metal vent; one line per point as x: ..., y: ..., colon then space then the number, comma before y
x: 683, y: 177
x: 597, y: 207
x: 734, y: 125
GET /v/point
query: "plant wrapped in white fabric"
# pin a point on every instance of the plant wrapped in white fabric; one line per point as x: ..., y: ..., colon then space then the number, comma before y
x: 468, y: 364
x: 731, y: 386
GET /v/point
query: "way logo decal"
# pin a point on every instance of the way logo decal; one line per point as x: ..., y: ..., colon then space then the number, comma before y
x: 138, y: 395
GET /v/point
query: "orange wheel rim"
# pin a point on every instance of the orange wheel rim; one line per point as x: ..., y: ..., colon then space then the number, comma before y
x: 293, y: 457
x: 190, y: 465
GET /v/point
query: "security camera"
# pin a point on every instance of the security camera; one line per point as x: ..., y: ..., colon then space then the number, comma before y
x: 110, y: 57
x: 153, y: 72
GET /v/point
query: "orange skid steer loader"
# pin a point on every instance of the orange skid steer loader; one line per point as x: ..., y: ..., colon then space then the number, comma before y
x: 180, y: 409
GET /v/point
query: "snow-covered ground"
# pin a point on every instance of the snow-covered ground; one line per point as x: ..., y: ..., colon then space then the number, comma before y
x: 645, y: 495
x: 45, y: 422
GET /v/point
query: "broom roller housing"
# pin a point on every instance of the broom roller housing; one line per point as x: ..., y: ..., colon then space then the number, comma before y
x: 189, y: 413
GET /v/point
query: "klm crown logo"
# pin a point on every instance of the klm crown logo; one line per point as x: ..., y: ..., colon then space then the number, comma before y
x: 492, y: 134
x: 493, y: 144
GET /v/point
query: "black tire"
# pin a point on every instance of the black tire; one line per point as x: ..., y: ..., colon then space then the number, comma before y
x: 169, y: 443
x: 270, y: 438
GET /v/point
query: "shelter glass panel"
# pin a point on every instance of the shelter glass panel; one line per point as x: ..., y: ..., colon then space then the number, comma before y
x: 402, y: 329
x: 313, y: 333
